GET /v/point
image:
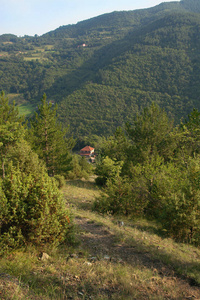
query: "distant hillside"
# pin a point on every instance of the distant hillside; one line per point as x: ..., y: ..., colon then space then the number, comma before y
x: 102, y: 71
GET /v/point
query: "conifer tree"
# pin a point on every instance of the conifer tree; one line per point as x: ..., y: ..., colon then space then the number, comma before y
x: 151, y: 134
x: 49, y: 139
x: 192, y: 130
x: 11, y: 129
x: 8, y: 112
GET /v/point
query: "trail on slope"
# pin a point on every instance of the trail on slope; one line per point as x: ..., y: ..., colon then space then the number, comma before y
x: 102, y: 243
x: 136, y: 247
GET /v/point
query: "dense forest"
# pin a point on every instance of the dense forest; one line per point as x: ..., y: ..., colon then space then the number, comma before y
x: 105, y: 70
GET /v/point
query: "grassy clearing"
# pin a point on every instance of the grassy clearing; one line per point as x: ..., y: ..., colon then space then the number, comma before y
x: 108, y: 261
x: 36, y: 56
x: 38, y: 53
x: 26, y: 109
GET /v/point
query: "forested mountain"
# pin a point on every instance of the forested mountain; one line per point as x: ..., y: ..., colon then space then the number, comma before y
x: 104, y: 70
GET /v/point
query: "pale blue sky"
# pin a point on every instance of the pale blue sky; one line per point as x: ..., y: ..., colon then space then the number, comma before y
x: 30, y: 17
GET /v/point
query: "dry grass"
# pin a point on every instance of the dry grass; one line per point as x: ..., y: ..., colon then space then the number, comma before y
x: 108, y: 262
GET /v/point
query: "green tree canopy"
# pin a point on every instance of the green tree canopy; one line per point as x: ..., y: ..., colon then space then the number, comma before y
x: 11, y: 129
x: 150, y: 134
x: 49, y: 140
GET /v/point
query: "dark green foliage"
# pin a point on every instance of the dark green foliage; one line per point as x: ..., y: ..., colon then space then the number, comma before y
x: 123, y: 196
x: 8, y: 112
x: 160, y: 175
x: 191, y: 128
x: 192, y: 5
x: 180, y: 211
x: 25, y: 158
x: 32, y: 208
x: 155, y: 66
x: 115, y: 146
x: 11, y: 129
x: 106, y: 169
x: 32, y: 211
x: 49, y: 140
x: 60, y: 180
x: 80, y: 168
x: 151, y: 135
x: 130, y: 59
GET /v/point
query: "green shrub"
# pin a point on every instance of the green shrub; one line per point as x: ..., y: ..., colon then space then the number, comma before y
x: 123, y: 196
x: 25, y: 158
x: 32, y: 211
x: 106, y: 169
x: 101, y: 181
x: 166, y: 192
x: 80, y: 168
x: 60, y: 179
x: 180, y: 213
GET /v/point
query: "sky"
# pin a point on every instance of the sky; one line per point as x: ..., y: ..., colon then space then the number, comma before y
x: 30, y: 17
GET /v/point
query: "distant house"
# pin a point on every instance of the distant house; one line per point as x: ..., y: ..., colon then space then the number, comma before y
x: 82, y: 45
x: 87, y: 152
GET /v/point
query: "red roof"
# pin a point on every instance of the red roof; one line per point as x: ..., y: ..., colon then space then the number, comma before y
x: 87, y: 148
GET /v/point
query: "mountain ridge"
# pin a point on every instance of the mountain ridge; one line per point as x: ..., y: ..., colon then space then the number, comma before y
x: 102, y: 71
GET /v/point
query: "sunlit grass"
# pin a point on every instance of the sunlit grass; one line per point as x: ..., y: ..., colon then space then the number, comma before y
x: 72, y: 273
x: 26, y: 109
x: 78, y: 278
x: 145, y: 235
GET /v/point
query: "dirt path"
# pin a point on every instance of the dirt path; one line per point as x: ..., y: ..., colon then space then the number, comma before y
x: 101, y: 242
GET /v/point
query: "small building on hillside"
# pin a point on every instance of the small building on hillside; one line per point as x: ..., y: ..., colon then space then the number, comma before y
x: 87, y: 152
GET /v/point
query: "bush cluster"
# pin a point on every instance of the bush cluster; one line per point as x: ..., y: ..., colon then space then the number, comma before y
x: 32, y: 211
x: 159, y: 177
x: 32, y: 208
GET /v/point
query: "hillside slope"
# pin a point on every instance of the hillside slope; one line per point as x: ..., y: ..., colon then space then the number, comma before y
x: 102, y: 71
x: 133, y: 261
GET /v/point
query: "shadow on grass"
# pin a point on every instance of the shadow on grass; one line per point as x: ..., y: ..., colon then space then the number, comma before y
x: 153, y: 228
x: 189, y: 271
x: 84, y: 204
x: 149, y: 228
x: 81, y: 183
x: 150, y: 255
x: 158, y: 255
x: 167, y: 261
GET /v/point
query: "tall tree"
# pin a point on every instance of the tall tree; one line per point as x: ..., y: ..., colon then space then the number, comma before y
x: 115, y: 146
x: 193, y: 135
x: 49, y: 140
x: 150, y: 134
x: 11, y: 129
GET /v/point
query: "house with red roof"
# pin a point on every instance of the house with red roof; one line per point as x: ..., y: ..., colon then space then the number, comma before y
x: 87, y: 152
